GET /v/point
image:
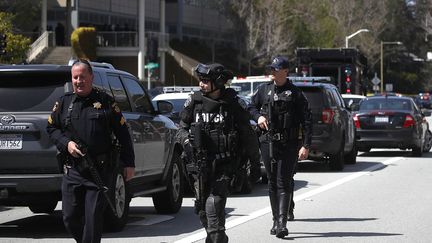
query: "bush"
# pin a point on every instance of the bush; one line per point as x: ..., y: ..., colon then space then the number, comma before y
x: 83, y: 41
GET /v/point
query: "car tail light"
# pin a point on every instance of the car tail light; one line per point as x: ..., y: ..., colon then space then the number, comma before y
x: 327, y: 116
x: 356, y: 121
x: 409, y: 121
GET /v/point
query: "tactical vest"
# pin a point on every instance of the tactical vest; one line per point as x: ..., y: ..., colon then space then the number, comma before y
x: 282, y: 108
x: 219, y: 137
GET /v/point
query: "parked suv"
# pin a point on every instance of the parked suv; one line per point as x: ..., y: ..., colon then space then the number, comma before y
x: 29, y: 173
x: 333, y: 136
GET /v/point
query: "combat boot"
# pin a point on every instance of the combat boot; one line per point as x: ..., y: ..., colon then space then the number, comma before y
x: 275, y: 211
x: 291, y: 211
x: 217, y: 237
x: 281, y: 230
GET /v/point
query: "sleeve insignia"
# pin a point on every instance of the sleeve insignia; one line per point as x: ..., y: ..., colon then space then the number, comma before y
x: 97, y: 105
x: 50, y: 121
x: 122, y: 121
x: 188, y: 101
x: 116, y: 108
x: 55, y: 106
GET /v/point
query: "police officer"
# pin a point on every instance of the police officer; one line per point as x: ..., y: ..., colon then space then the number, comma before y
x: 279, y: 108
x: 83, y: 122
x: 214, y: 123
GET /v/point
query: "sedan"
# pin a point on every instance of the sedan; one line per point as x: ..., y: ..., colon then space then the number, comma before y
x: 392, y: 122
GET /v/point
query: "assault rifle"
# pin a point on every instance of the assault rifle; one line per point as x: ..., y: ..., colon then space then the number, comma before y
x: 199, y: 163
x: 88, y: 163
x: 271, y: 133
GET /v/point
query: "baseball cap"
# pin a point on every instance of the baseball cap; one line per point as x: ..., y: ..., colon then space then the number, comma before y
x: 279, y: 63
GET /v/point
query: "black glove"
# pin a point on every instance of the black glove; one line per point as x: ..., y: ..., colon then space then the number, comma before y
x: 188, y: 149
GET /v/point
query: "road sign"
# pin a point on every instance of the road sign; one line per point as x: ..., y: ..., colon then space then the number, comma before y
x: 376, y: 80
x: 151, y: 65
x: 375, y: 88
x: 389, y: 87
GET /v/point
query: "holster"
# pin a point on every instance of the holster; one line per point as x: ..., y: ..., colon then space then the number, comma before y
x: 62, y: 159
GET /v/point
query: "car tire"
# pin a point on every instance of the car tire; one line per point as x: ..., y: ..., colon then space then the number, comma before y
x: 351, y: 156
x: 119, y: 195
x: 43, y: 207
x: 170, y: 200
x: 336, y: 161
x: 427, y: 145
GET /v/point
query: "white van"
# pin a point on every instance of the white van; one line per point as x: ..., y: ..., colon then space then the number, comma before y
x: 246, y: 86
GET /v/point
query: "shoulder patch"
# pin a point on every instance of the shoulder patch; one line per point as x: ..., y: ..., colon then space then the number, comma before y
x: 188, y: 101
x: 55, y: 106
x: 115, y: 107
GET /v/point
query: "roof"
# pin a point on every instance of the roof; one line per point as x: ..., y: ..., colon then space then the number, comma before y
x: 171, y: 96
x: 353, y: 96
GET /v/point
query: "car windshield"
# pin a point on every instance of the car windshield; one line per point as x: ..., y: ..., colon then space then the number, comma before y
x: 314, y: 97
x: 385, y: 104
x: 30, y: 93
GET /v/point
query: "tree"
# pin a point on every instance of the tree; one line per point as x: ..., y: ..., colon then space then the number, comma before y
x: 17, y: 45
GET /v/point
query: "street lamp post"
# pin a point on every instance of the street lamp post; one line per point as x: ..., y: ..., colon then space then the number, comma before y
x: 382, y: 59
x: 354, y: 34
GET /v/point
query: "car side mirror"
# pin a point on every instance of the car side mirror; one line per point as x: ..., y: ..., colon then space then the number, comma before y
x: 426, y: 112
x: 164, y: 107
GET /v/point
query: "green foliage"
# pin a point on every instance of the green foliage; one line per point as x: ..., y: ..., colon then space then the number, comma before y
x: 83, y: 41
x: 17, y: 45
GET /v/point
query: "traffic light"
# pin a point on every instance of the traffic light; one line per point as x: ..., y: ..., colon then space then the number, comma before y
x: 152, y: 49
x: 348, y: 79
x: 3, y: 43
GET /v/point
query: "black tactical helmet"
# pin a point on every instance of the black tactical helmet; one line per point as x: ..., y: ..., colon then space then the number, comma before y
x: 215, y: 72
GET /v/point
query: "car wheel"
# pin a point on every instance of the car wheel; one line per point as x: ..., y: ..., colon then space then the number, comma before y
x: 170, y: 200
x: 351, y: 157
x: 428, y: 141
x: 120, y: 198
x: 43, y: 207
x: 336, y: 161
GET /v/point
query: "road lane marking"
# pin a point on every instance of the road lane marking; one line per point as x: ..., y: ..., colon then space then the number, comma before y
x: 201, y: 234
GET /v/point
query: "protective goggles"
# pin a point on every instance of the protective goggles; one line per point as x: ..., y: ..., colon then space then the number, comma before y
x: 202, y: 69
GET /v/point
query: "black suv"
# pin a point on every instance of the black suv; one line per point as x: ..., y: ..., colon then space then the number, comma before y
x: 333, y: 136
x: 29, y: 173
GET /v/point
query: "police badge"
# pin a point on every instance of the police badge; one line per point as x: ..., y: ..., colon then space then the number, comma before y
x: 97, y: 105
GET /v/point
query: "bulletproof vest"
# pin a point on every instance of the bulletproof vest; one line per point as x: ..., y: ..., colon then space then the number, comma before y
x: 282, y: 105
x: 219, y: 136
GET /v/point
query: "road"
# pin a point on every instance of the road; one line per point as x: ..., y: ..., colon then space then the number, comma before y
x: 385, y: 197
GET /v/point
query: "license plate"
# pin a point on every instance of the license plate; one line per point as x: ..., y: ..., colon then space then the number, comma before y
x: 382, y: 119
x: 11, y: 141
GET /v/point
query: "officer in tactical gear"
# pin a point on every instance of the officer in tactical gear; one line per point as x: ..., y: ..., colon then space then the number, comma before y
x: 280, y: 109
x: 215, y: 126
x: 81, y: 125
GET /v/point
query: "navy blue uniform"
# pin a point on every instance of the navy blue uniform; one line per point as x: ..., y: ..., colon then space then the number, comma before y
x: 94, y: 118
x: 290, y: 112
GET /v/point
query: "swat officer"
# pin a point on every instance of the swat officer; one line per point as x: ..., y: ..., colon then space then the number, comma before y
x: 83, y: 122
x: 279, y: 108
x: 214, y: 125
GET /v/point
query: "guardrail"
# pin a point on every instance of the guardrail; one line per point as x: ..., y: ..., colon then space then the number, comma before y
x: 41, y: 44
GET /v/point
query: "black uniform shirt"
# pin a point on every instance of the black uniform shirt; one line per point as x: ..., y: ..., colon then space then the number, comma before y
x: 93, y: 119
x: 302, y: 114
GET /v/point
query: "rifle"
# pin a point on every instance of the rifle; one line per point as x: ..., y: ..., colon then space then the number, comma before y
x: 199, y: 165
x: 271, y: 133
x: 88, y: 163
